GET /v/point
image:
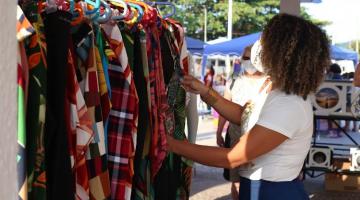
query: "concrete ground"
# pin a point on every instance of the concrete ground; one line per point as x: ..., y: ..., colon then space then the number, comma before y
x: 209, y: 184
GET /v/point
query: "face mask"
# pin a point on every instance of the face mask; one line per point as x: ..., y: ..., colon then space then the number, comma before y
x: 255, y: 56
x: 248, y: 67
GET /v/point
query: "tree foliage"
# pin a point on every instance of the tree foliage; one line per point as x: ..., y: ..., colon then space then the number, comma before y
x: 249, y: 16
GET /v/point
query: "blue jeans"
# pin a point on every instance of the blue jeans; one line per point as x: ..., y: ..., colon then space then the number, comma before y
x: 268, y: 190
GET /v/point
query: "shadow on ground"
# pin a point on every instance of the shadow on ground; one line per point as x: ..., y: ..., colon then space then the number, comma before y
x: 208, y: 184
x: 227, y: 197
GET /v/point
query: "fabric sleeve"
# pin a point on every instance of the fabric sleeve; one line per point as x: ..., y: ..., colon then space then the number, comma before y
x: 283, y: 115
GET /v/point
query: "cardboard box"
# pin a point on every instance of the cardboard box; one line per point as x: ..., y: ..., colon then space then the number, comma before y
x: 342, y: 182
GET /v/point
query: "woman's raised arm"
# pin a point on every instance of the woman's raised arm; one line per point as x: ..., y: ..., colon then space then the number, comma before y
x: 229, y: 110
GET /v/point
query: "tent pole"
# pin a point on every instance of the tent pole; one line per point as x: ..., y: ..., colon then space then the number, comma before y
x: 230, y: 17
x: 205, y: 24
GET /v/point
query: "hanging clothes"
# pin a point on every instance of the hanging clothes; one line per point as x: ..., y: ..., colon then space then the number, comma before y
x: 186, y: 165
x: 59, y: 184
x: 142, y: 186
x: 175, y: 168
x: 24, y: 30
x: 102, y: 99
x: 36, y: 107
x: 79, y: 128
x: 159, y: 105
x: 103, y: 75
x: 122, y: 125
x: 96, y: 158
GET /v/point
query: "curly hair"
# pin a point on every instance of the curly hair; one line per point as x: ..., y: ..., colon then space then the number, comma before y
x: 295, y: 54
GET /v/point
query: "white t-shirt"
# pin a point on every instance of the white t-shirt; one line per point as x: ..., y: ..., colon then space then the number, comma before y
x: 291, y: 116
x: 247, y: 90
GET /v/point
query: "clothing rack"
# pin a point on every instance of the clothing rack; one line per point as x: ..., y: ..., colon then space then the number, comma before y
x: 101, y: 92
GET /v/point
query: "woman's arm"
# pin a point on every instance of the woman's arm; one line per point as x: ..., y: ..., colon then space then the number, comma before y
x: 257, y: 142
x: 222, y: 121
x: 229, y: 110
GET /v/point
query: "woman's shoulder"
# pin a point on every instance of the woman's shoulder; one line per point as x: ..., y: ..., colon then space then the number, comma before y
x: 290, y: 102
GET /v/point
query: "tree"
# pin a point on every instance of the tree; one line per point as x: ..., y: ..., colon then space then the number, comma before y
x: 191, y: 14
x: 249, y: 16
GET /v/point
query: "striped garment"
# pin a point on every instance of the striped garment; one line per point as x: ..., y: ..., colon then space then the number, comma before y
x: 122, y: 124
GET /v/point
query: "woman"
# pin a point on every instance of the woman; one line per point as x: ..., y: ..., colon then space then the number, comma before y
x: 294, y: 53
x: 240, y: 90
x: 356, y: 81
x: 209, y: 76
x: 209, y: 80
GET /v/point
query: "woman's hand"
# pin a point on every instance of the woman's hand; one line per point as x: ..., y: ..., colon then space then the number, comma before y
x: 193, y: 85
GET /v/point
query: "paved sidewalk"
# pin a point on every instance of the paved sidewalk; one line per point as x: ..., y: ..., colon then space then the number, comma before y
x: 209, y: 184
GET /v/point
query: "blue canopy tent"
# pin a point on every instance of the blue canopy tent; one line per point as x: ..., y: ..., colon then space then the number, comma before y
x: 235, y: 47
x: 195, y: 46
x: 340, y: 53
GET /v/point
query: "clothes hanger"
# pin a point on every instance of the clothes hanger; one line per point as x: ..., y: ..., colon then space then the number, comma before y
x: 120, y: 4
x: 148, y: 11
x: 172, y: 5
x: 95, y: 4
x: 144, y: 5
x: 107, y: 13
x: 72, y: 6
x: 77, y: 19
x: 139, y: 10
x: 132, y: 17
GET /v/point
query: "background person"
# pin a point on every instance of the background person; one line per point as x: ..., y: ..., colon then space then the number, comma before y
x: 272, y: 153
x: 209, y: 79
x: 239, y: 90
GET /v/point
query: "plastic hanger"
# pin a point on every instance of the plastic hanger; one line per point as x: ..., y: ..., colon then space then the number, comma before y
x: 165, y: 4
x: 107, y: 13
x: 122, y: 4
x: 79, y: 17
x: 140, y: 11
x: 132, y: 17
x: 144, y: 5
x: 72, y: 6
x: 95, y: 4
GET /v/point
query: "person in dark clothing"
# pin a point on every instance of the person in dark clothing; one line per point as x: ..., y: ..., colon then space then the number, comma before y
x: 334, y: 72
